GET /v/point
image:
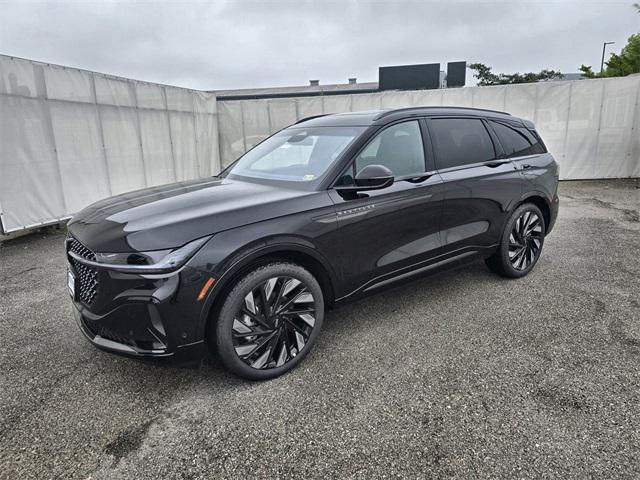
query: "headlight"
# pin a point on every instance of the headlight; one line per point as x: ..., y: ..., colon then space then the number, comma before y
x: 157, y: 261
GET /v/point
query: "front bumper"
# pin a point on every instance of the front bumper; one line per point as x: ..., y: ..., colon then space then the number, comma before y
x: 142, y: 315
x: 121, y: 333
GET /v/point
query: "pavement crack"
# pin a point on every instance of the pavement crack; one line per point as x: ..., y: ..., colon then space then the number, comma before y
x: 601, y: 307
x: 618, y: 334
x: 128, y: 441
x: 630, y: 214
x: 554, y: 396
x: 20, y: 272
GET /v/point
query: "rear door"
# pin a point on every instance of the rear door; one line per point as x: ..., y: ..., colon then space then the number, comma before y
x: 480, y: 183
x: 524, y: 147
x: 389, y: 231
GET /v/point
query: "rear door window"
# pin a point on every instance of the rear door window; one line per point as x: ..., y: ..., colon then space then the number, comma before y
x: 517, y: 141
x: 461, y: 141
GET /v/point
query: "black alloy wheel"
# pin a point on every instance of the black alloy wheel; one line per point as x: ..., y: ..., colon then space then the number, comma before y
x: 525, y: 240
x: 269, y: 321
x: 274, y: 323
x: 521, y: 243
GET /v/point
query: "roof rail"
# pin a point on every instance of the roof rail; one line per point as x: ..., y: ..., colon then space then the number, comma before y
x: 310, y: 118
x: 436, y: 107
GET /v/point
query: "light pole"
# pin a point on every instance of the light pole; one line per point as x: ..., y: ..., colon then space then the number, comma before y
x: 604, y: 47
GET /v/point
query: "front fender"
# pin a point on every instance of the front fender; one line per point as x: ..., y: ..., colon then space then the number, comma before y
x: 224, y: 269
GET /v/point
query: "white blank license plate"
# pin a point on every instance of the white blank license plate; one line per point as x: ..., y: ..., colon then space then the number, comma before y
x: 71, y: 283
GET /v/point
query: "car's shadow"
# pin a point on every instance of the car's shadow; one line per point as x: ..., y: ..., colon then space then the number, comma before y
x: 341, y: 324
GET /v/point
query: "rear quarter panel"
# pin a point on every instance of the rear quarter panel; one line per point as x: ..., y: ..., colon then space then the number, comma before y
x: 540, y: 175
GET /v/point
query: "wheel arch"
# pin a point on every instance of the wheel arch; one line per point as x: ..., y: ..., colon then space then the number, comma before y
x: 540, y: 201
x: 299, y: 254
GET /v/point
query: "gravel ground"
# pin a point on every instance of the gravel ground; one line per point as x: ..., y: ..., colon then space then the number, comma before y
x: 461, y: 375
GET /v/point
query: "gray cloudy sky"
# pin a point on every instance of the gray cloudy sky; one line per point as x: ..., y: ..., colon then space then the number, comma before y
x: 235, y: 44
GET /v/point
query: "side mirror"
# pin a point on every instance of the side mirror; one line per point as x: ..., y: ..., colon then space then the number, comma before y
x: 371, y: 177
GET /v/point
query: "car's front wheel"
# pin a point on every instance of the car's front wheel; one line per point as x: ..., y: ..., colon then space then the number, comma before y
x: 269, y: 321
x: 521, y: 243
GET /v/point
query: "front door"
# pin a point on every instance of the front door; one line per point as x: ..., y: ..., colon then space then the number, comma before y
x: 387, y: 232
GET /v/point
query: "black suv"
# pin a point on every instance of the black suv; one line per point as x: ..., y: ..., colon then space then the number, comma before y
x: 246, y: 263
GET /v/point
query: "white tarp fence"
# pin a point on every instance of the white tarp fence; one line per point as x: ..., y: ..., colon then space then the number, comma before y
x: 592, y: 127
x: 70, y: 137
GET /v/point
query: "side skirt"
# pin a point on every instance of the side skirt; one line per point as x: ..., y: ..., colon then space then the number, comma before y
x: 467, y: 256
x: 418, y: 271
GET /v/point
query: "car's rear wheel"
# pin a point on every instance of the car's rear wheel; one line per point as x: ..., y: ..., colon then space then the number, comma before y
x: 521, y: 243
x: 269, y: 321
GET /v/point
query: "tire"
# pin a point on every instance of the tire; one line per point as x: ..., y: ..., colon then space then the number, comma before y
x: 520, y: 244
x: 242, y: 344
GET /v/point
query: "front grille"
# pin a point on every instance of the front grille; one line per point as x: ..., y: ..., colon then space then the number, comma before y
x: 87, y: 284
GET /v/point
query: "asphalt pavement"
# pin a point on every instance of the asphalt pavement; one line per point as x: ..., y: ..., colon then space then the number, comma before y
x: 463, y: 375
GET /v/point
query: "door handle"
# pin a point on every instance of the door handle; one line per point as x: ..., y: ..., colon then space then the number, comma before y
x: 496, y: 163
x: 419, y: 178
x: 526, y: 166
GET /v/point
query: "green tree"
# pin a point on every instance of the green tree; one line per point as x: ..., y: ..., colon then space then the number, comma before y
x: 626, y: 63
x: 486, y: 77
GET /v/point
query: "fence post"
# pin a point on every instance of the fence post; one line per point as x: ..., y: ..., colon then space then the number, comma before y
x: 195, y: 131
x: 602, y: 90
x: 100, y: 129
x: 136, y: 108
x: 634, y: 148
x: 39, y: 77
x: 173, y: 155
x: 269, y: 117
x: 244, y: 133
x: 566, y: 127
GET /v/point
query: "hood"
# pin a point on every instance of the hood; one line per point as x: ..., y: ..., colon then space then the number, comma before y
x: 171, y: 215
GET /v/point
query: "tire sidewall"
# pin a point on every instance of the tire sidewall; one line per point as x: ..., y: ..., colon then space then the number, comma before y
x: 504, y: 244
x: 232, y: 303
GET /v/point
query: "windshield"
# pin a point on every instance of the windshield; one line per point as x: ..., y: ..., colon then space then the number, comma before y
x: 296, y: 154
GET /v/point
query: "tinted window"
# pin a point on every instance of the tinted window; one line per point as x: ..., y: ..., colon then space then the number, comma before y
x: 460, y: 141
x: 399, y: 148
x: 517, y: 141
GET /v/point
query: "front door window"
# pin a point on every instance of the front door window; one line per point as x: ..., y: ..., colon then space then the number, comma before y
x: 399, y: 148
